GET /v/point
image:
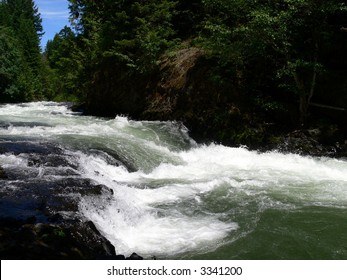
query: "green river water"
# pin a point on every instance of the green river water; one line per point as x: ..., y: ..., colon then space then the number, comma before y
x: 175, y: 199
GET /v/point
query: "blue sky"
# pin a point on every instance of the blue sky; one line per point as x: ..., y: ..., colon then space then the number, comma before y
x: 55, y: 15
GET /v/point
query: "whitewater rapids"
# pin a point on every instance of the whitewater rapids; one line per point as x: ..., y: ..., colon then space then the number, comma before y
x: 171, y: 197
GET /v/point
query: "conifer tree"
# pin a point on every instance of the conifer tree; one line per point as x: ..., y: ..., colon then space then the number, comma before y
x: 23, y: 23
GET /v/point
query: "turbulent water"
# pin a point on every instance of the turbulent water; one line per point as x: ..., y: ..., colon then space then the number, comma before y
x: 173, y: 198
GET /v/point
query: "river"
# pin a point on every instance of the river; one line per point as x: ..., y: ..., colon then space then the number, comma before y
x: 173, y: 198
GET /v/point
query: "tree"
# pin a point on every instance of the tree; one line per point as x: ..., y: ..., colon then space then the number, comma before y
x: 65, y: 63
x: 286, y: 35
x: 133, y: 32
x: 12, y: 80
x: 27, y: 24
x: 117, y: 43
x: 22, y: 22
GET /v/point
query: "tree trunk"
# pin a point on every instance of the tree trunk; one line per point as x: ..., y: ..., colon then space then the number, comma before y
x: 305, y: 97
x: 303, y: 108
x: 303, y: 102
x: 307, y: 94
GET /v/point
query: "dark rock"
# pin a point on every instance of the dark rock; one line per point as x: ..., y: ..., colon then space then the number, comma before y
x: 39, y: 214
x: 23, y: 240
x: 39, y: 220
x: 308, y: 142
x: 78, y: 108
x: 134, y: 256
x: 342, y: 149
x: 20, y: 240
x: 19, y: 146
x: 2, y: 174
x: 174, y: 88
x: 188, y: 91
x: 106, y: 247
x: 116, y: 257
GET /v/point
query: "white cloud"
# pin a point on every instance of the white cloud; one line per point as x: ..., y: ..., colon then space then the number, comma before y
x: 54, y: 14
x: 54, y: 9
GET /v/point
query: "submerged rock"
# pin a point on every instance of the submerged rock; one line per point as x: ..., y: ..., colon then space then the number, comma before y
x: 2, y: 173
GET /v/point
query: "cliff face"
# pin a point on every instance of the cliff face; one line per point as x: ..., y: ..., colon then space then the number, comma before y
x: 185, y: 88
x: 174, y: 86
x: 186, y: 91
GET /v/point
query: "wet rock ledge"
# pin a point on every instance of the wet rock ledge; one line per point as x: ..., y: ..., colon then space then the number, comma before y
x: 25, y: 239
x: 40, y: 217
x: 37, y: 230
x: 29, y: 240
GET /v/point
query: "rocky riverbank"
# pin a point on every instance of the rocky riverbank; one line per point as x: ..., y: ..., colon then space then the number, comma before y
x: 40, y: 232
x: 309, y: 142
x: 39, y: 217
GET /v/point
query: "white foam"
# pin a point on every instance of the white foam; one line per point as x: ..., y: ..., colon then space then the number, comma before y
x: 10, y: 160
x: 149, y: 233
x: 183, y: 197
x: 132, y: 223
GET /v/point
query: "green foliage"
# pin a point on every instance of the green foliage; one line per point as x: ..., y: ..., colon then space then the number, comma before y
x: 287, y: 36
x: 131, y: 33
x: 12, y: 82
x: 22, y: 70
x: 113, y: 40
x: 65, y: 62
x: 260, y: 47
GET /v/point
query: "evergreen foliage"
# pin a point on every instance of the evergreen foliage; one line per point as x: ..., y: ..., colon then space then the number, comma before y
x: 22, y: 68
x: 114, y: 42
x: 65, y: 64
x: 260, y: 45
x: 113, y: 48
x: 12, y: 80
x: 281, y: 39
